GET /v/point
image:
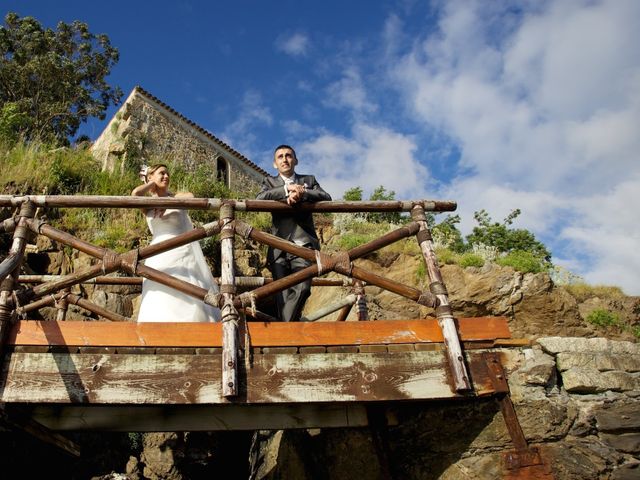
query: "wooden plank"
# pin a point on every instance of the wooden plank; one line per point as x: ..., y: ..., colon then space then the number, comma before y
x: 263, y: 334
x: 195, y: 379
x: 172, y: 418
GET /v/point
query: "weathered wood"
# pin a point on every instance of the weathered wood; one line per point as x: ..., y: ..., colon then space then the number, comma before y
x: 34, y: 332
x: 113, y: 201
x: 196, y: 379
x: 191, y: 418
x: 61, y: 304
x: 241, y: 282
x: 349, y: 206
x: 110, y: 201
x: 76, y: 300
x: 349, y: 300
x: 230, y: 316
x: 443, y: 310
x: 101, y: 280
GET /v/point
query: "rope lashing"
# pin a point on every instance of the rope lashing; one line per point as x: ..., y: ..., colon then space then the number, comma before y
x: 213, y: 298
x: 328, y: 263
x: 110, y: 262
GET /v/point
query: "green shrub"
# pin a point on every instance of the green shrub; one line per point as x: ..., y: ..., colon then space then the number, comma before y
x: 525, y: 262
x: 470, y: 260
x: 603, y: 318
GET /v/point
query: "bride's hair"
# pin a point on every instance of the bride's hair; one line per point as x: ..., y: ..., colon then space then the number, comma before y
x: 155, y: 167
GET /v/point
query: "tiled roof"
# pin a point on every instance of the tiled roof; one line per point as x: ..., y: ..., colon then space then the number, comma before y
x: 207, y: 134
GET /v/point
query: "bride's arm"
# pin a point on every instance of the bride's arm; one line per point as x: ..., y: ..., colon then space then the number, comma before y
x: 143, y: 189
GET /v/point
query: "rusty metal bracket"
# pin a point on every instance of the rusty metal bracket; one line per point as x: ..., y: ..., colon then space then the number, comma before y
x: 524, y: 462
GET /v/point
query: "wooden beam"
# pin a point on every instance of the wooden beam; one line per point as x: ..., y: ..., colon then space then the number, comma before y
x: 65, y: 378
x: 191, y: 418
x: 124, y: 334
x: 17, y: 419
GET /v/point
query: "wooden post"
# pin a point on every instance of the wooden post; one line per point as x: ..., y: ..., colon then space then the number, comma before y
x: 230, y: 315
x: 76, y: 300
x: 62, y: 305
x: 12, y: 265
x: 344, y: 313
x: 349, y: 300
x: 443, y: 310
x: 361, y: 302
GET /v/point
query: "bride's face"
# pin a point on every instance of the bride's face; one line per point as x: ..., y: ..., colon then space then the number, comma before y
x: 160, y: 177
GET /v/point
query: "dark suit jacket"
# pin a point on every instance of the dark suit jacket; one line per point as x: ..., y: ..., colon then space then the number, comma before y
x: 297, y: 224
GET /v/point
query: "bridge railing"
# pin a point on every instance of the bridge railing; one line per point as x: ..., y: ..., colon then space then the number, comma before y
x: 234, y: 305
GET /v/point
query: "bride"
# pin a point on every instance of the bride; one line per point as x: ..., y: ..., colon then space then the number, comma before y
x: 161, y: 303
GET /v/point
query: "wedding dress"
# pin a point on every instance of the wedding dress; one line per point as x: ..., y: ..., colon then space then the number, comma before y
x: 164, y: 304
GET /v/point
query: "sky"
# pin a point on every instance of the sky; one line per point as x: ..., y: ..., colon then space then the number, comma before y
x: 498, y: 105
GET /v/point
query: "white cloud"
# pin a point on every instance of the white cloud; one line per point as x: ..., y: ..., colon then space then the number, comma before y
x: 373, y: 156
x: 349, y: 93
x: 252, y: 113
x: 296, y: 44
x: 546, y: 114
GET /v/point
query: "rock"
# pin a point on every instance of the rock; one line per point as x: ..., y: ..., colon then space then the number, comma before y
x: 628, y: 471
x: 623, y: 442
x: 589, y: 380
x: 113, y: 302
x: 581, y: 459
x: 599, y: 361
x: 554, y: 345
x: 623, y: 416
x: 539, y: 368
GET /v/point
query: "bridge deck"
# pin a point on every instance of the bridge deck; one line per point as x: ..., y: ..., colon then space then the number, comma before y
x: 136, y: 377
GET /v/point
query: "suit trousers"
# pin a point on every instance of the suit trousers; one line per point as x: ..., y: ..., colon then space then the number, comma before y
x: 290, y: 302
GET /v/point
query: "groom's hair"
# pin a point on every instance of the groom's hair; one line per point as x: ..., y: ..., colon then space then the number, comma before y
x: 285, y: 146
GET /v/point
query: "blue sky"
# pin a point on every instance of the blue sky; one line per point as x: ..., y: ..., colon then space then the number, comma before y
x: 527, y: 104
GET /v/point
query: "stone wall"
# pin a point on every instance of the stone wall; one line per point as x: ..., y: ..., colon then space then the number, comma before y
x: 577, y: 400
x: 146, y: 130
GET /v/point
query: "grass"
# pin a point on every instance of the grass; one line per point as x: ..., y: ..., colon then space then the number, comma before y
x: 582, y: 291
x: 603, y: 318
x: 38, y: 169
x: 522, y: 261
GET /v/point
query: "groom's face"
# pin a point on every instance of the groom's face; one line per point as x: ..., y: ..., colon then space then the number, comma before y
x: 284, y: 160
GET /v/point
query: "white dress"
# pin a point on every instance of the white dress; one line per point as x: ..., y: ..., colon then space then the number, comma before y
x: 164, y: 304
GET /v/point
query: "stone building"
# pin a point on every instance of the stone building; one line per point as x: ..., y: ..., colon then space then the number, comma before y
x: 146, y: 130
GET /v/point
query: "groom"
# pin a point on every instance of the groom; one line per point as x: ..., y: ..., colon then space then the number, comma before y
x: 294, y: 226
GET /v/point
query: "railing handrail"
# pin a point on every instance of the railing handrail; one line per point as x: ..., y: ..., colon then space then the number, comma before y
x: 247, y: 205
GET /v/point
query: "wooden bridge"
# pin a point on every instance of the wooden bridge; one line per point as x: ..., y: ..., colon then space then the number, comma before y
x: 247, y: 372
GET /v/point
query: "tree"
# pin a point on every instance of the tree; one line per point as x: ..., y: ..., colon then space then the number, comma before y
x: 353, y: 194
x: 447, y: 232
x: 504, y: 239
x: 53, y: 79
x: 380, y: 193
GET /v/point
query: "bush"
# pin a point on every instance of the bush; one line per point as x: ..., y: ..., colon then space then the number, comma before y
x: 504, y: 238
x: 470, y: 260
x: 525, y: 262
x: 603, y: 318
